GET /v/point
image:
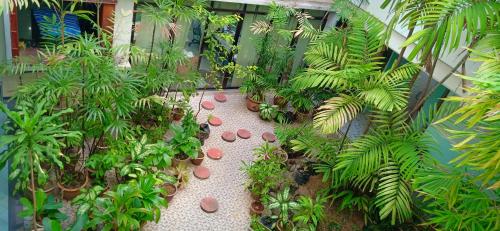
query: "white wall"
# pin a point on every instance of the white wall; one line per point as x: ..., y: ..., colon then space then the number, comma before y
x: 446, y: 62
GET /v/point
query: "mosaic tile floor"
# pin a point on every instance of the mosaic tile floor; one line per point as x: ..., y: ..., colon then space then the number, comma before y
x: 226, y: 180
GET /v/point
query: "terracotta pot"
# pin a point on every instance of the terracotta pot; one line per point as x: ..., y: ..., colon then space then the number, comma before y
x: 178, y: 159
x: 256, y: 208
x: 280, y: 101
x: 49, y: 189
x: 252, y: 105
x: 282, y: 154
x: 177, y: 114
x: 70, y: 193
x: 170, y: 191
x: 199, y: 159
x: 301, y: 116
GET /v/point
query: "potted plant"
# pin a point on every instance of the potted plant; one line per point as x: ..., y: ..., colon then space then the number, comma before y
x: 283, y: 205
x: 256, y: 208
x: 182, y: 173
x: 169, y: 187
x: 33, y: 138
x: 99, y: 163
x: 267, y: 111
x: 192, y: 128
x: 268, y: 151
x: 178, y: 110
x: 46, y: 210
x: 170, y: 190
x: 128, y: 206
x: 87, y: 200
x: 263, y: 175
x: 72, y: 182
x: 203, y: 133
x: 184, y: 145
x: 301, y: 100
x: 198, y: 160
x: 287, y: 133
x: 254, y: 86
x: 308, y: 212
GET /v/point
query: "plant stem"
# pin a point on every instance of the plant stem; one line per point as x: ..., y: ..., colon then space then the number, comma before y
x: 403, y: 50
x: 151, y: 46
x: 33, y: 189
x: 341, y: 146
x: 199, y: 102
x: 419, y: 104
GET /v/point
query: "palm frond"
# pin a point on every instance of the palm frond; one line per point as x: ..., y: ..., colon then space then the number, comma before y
x: 394, y: 194
x: 336, y: 112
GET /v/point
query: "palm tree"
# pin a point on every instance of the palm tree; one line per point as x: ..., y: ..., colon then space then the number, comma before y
x: 385, y: 161
x: 33, y: 139
x: 444, y: 26
x: 348, y: 61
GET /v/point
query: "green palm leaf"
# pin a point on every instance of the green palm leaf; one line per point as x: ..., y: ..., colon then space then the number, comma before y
x: 336, y: 112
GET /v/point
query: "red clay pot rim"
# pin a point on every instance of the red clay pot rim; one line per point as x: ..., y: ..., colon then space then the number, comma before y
x: 253, y: 101
x: 64, y: 189
x: 175, y: 187
x: 257, y: 206
x: 200, y: 158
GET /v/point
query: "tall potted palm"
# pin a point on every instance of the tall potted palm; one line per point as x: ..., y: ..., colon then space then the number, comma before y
x: 33, y: 139
x: 347, y: 61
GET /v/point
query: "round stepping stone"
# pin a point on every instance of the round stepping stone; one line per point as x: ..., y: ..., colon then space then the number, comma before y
x: 214, y: 153
x: 243, y: 133
x: 201, y: 172
x: 220, y: 97
x: 269, y: 137
x: 215, y: 121
x: 228, y: 136
x: 209, y: 204
x: 207, y: 105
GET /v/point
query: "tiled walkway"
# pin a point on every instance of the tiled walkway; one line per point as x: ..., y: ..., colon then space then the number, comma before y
x: 226, y: 179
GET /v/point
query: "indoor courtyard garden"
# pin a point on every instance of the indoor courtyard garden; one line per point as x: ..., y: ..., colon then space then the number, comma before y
x: 286, y: 115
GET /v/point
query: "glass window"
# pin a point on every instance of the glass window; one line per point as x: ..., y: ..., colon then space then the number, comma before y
x: 38, y: 25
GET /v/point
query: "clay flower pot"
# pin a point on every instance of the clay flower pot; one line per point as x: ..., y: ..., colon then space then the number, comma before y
x: 199, y: 159
x: 256, y: 208
x: 170, y: 191
x: 70, y: 193
x: 280, y: 101
x: 301, y: 116
x: 180, y: 158
x: 177, y: 113
x: 48, y: 189
x: 252, y: 105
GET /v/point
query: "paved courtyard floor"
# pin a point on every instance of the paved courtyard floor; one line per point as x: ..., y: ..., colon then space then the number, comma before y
x: 226, y: 178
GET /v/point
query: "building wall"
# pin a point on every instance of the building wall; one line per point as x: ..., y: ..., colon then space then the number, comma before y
x: 446, y: 62
x: 4, y: 183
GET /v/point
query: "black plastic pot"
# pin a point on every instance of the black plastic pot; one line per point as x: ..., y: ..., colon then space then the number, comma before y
x: 291, y: 153
x: 302, y: 177
x: 204, y: 132
x: 267, y: 221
